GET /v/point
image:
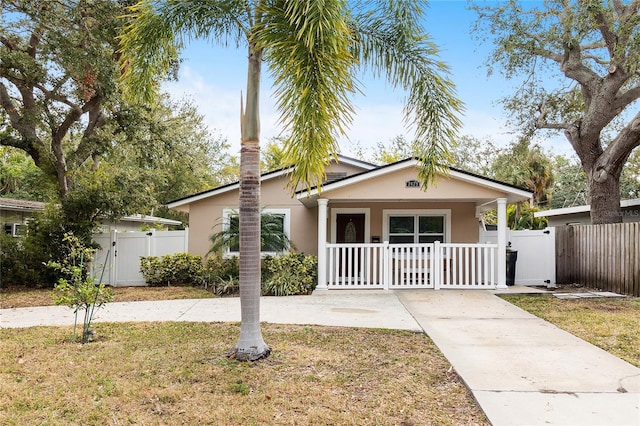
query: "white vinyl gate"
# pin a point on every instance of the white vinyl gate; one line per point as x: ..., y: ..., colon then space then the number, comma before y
x: 119, y: 256
x: 536, y: 264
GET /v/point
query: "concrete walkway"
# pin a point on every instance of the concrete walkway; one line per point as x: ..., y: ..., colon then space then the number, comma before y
x: 521, y: 369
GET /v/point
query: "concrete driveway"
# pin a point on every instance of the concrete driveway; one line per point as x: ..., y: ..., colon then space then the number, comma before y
x: 521, y: 369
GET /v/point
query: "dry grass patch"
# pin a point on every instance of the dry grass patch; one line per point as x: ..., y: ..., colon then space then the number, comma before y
x: 611, y: 324
x: 176, y: 373
x: 23, y: 297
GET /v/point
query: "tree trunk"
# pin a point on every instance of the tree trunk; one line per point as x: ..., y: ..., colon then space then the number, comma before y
x: 603, y: 169
x: 251, y: 345
x: 604, y: 195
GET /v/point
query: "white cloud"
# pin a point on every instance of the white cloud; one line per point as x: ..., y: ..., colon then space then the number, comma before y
x: 483, y: 125
x: 372, y: 123
x: 220, y: 105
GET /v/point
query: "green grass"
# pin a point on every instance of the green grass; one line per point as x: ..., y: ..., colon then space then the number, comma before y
x: 176, y: 373
x: 24, y: 297
x: 612, y: 324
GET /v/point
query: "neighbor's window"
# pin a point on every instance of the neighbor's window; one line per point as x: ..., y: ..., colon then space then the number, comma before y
x: 407, y: 229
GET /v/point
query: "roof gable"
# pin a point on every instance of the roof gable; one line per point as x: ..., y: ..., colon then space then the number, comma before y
x: 182, y: 203
x: 488, y: 187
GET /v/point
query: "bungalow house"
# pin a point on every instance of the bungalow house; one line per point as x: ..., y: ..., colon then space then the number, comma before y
x: 581, y: 215
x: 375, y: 226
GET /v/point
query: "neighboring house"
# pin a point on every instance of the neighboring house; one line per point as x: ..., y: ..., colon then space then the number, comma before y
x: 581, y: 215
x: 138, y: 222
x: 378, y: 228
x: 14, y: 214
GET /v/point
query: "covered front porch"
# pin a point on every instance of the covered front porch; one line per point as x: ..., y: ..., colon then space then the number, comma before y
x: 410, y: 266
x: 381, y: 230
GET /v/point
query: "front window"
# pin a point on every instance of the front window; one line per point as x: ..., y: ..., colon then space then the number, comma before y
x: 274, y: 231
x: 419, y: 227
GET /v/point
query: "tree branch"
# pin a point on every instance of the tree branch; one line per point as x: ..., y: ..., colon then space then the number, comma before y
x: 543, y: 124
x: 610, y: 38
x: 615, y: 155
x: 631, y: 95
x: 28, y: 139
x: 96, y: 120
x: 7, y: 43
x: 8, y: 105
x: 48, y: 94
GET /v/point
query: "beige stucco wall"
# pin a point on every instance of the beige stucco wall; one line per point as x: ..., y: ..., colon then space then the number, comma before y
x: 465, y: 226
x: 205, y: 216
x: 392, y: 186
x: 385, y: 192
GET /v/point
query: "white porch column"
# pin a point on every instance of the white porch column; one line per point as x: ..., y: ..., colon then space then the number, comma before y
x: 322, y: 244
x: 502, y: 242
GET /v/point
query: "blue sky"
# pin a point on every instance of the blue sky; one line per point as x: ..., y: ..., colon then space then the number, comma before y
x: 214, y: 78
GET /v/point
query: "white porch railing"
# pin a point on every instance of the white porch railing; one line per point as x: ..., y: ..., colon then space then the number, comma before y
x: 401, y: 266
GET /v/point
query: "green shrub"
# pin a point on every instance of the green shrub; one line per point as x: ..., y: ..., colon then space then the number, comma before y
x: 223, y: 275
x: 184, y: 268
x: 291, y: 274
x: 172, y: 269
x: 152, y: 270
x: 13, y: 268
x: 226, y: 286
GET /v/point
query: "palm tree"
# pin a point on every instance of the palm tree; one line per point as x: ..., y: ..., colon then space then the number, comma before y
x: 313, y: 49
x: 273, y: 237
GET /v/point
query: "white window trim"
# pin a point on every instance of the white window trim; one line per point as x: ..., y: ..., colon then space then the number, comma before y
x: 15, y: 228
x: 347, y: 210
x: 417, y: 212
x: 226, y: 213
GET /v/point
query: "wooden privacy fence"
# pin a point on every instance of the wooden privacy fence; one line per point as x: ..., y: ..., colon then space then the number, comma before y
x: 606, y: 257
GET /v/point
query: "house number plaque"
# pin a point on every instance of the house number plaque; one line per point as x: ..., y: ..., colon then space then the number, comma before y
x: 412, y: 184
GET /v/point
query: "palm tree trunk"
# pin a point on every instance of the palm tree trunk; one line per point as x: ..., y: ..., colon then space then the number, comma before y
x: 251, y: 345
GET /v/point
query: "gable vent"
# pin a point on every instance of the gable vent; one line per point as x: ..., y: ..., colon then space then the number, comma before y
x: 331, y: 176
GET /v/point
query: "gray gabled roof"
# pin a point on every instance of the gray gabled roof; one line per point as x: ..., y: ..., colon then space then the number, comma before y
x: 21, y: 205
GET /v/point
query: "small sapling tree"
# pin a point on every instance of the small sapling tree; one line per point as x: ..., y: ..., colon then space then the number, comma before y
x: 76, y: 288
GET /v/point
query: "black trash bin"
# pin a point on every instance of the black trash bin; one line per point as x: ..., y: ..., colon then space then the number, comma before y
x: 512, y: 256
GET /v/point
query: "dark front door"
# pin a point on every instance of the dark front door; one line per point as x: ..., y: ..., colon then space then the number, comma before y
x: 350, y: 230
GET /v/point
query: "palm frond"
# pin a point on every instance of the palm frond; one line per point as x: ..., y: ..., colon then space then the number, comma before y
x: 273, y: 237
x: 389, y: 41
x: 307, y: 50
x: 157, y: 31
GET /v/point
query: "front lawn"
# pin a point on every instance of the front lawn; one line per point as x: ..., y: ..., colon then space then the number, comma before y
x: 612, y: 324
x: 176, y: 373
x: 24, y: 297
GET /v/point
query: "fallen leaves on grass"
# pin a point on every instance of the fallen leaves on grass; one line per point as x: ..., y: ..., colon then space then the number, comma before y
x: 176, y: 373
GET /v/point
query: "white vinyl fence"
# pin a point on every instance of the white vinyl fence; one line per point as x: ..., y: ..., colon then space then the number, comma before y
x: 118, y: 260
x: 536, y: 264
x: 402, y: 266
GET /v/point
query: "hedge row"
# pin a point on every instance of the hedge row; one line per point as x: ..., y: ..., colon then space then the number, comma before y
x: 290, y: 274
